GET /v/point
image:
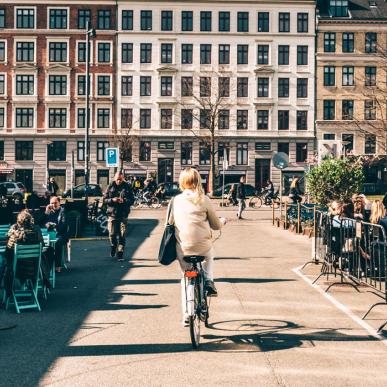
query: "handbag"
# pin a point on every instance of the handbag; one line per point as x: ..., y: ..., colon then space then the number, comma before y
x: 167, y: 251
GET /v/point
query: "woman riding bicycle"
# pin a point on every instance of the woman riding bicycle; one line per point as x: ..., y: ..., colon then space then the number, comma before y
x: 295, y: 192
x: 194, y: 217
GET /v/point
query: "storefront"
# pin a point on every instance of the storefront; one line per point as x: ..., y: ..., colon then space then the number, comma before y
x: 5, y: 172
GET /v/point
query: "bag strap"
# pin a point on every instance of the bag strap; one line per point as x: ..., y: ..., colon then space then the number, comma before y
x: 170, y: 209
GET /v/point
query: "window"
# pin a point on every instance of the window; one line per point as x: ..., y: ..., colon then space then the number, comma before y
x: 186, y: 118
x: 283, y: 119
x: 329, y: 109
x: 224, y: 21
x: 302, y: 120
x: 145, y: 151
x: 263, y: 146
x: 262, y: 119
x: 127, y: 53
x: 145, y: 86
x: 57, y: 118
x: 166, y: 20
x: 242, y: 119
x: 104, y: 52
x: 81, y: 52
x: 25, y: 85
x: 370, y: 144
x: 224, y: 119
x: 25, y: 51
x: 25, y: 18
x: 101, y: 150
x: 146, y: 20
x: 146, y: 53
x: 301, y: 152
x: 186, y: 153
x: 223, y: 152
x: 57, y: 85
x: 329, y: 136
x: 263, y: 54
x: 104, y: 16
x: 2, y: 51
x: 263, y: 87
x: 348, y: 79
x: 103, y: 118
x: 81, y: 117
x: 348, y: 42
x: 145, y: 118
x: 329, y: 42
x: 166, y: 52
x: 84, y: 16
x: 186, y: 86
x: 370, y: 76
x: 205, y: 86
x: 302, y: 55
x: 284, y: 22
x: 82, y: 85
x: 302, y: 22
x: 24, y: 150
x: 205, y: 119
x: 166, y: 145
x: 103, y: 84
x: 283, y: 87
x: 242, y: 153
x: 56, y: 151
x: 58, y: 52
x: 243, y: 54
x: 369, y: 109
x: 166, y: 86
x: 81, y: 150
x: 347, y: 109
x: 2, y: 122
x: 263, y: 21
x: 186, y: 53
x: 2, y: 25
x: 58, y: 18
x: 283, y: 147
x: 205, y: 21
x: 204, y: 153
x: 224, y: 86
x: 127, y: 20
x: 166, y: 118
x: 127, y: 86
x: 347, y: 141
x: 302, y: 87
x: 2, y: 84
x: 24, y: 117
x: 243, y: 22
x: 283, y: 55
x: 329, y: 75
x: 186, y: 20
x: 126, y: 118
x: 205, y: 54
x: 224, y: 53
x: 242, y: 87
x: 338, y: 8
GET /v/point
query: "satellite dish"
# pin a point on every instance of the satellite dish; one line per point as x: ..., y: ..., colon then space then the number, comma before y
x: 280, y: 160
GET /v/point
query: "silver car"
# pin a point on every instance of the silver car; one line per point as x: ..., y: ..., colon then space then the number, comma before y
x: 14, y: 188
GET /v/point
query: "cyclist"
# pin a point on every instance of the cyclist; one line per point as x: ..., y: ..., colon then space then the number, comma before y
x: 295, y: 192
x: 269, y: 191
x: 194, y: 217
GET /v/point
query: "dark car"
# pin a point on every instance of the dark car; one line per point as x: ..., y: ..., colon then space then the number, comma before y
x: 250, y: 190
x: 171, y: 189
x: 79, y: 191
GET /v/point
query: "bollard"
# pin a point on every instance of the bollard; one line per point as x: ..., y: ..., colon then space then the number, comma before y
x: 286, y: 216
x: 298, y: 217
x: 273, y: 212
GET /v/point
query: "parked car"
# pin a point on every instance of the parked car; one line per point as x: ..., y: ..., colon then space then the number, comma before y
x: 250, y: 190
x: 171, y: 189
x: 79, y: 191
x: 14, y: 188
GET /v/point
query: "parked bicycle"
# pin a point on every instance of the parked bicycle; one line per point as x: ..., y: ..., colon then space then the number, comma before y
x: 146, y: 199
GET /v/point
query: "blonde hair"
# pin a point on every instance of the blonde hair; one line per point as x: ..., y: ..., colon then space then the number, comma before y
x: 294, y: 182
x: 190, y: 179
x: 24, y: 219
x: 377, y: 211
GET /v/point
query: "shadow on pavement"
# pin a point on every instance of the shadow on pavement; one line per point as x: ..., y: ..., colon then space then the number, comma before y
x: 252, y: 280
x: 28, y: 351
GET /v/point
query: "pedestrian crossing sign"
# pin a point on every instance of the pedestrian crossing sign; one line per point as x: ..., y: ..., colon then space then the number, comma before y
x: 112, y: 157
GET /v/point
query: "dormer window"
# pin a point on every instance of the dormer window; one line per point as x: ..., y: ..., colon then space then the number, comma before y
x: 338, y: 8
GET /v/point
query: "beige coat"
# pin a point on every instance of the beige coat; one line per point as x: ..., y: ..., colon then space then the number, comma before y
x: 193, y: 224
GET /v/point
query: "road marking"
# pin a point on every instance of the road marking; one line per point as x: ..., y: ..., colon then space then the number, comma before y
x: 372, y: 331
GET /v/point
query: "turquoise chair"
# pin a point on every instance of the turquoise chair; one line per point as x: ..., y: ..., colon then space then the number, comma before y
x: 26, y: 268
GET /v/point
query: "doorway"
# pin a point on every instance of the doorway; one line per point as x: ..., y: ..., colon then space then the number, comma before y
x: 60, y: 177
x: 25, y: 176
x: 165, y: 171
x: 262, y: 172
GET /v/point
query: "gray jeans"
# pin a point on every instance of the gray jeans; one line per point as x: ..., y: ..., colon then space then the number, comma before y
x: 117, y: 232
x: 242, y: 206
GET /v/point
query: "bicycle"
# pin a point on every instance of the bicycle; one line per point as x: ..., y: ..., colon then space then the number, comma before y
x: 196, y: 297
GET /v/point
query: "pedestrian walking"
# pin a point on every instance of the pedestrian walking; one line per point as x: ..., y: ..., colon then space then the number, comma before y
x: 241, y: 195
x: 119, y: 198
x: 52, y: 187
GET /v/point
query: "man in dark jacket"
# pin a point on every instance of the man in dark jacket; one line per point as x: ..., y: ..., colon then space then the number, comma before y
x: 52, y: 186
x: 119, y: 198
x: 241, y: 195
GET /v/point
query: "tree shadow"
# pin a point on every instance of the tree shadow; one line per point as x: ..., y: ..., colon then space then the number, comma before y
x: 252, y: 280
x: 130, y: 307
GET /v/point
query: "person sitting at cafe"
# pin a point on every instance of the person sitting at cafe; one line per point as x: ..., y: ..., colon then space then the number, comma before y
x: 56, y: 219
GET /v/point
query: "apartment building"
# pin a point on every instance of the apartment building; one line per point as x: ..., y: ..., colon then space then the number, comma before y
x: 351, y: 75
x: 258, y: 55
x: 42, y: 90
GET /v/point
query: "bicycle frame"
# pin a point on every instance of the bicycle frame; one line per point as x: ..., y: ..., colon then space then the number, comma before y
x: 191, y: 277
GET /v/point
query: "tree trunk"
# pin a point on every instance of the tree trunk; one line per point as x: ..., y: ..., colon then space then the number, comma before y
x: 212, y: 172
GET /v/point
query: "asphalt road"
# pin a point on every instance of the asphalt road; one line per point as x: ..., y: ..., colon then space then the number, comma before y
x: 113, y: 324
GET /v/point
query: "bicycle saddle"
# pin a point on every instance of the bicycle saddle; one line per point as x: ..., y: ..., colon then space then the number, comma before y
x: 194, y: 258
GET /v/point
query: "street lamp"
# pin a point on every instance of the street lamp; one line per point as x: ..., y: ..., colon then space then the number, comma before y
x: 47, y: 143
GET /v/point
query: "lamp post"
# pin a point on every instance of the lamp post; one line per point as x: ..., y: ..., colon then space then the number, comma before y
x: 47, y: 143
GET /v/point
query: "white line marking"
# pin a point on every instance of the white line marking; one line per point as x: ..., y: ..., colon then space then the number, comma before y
x: 372, y: 331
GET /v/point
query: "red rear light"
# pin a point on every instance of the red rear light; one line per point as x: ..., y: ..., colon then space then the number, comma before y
x: 191, y: 274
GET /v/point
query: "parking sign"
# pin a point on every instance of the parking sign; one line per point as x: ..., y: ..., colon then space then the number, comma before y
x: 112, y: 157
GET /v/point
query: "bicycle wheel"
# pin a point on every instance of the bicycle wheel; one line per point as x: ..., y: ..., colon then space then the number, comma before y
x: 275, y: 203
x: 255, y: 202
x: 194, y: 320
x: 155, y: 202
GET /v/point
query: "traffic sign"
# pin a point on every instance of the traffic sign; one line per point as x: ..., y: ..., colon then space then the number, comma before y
x: 112, y: 157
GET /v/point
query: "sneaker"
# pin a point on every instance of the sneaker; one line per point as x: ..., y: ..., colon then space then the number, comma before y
x: 186, y: 321
x: 211, y: 289
x: 120, y: 256
x: 113, y: 250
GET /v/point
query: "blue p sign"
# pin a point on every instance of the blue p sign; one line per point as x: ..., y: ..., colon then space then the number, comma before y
x: 112, y: 157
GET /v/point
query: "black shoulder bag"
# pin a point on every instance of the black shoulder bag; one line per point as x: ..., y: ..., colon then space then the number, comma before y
x: 167, y: 251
